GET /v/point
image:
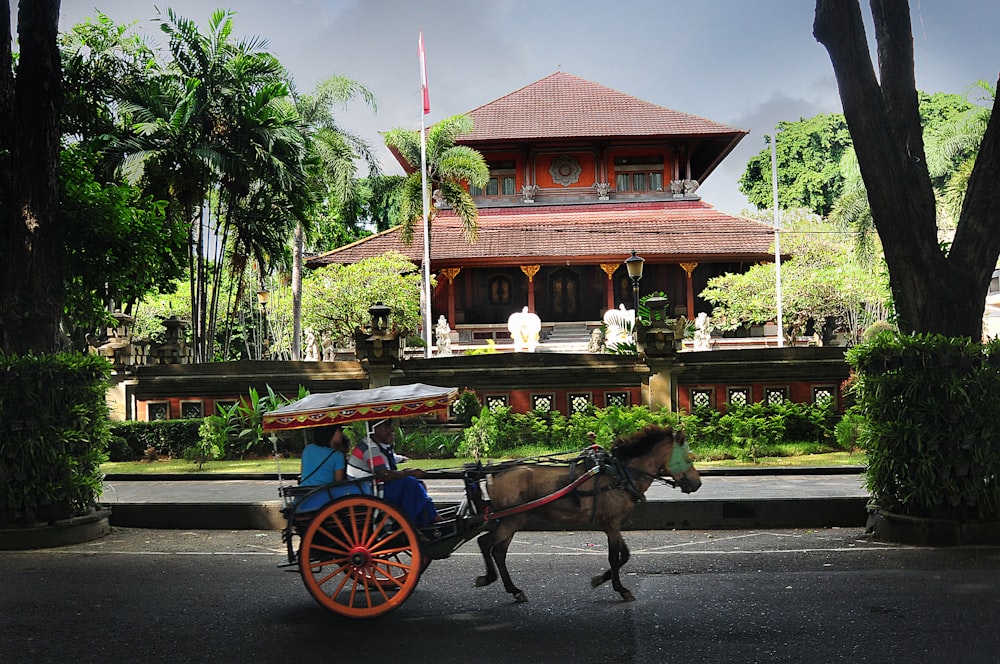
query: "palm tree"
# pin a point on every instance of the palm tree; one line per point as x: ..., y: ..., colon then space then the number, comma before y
x: 216, y: 136
x: 448, y: 166
x: 960, y: 141
x: 334, y: 153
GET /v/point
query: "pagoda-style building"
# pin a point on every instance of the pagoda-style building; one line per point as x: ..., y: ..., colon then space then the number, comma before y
x: 581, y: 176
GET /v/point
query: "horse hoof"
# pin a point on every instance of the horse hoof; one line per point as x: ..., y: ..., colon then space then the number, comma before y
x: 520, y: 597
x: 484, y: 581
x: 596, y: 581
x: 628, y: 596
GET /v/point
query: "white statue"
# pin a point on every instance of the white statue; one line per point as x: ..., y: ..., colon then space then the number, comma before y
x: 702, y: 332
x: 328, y: 351
x: 524, y: 330
x: 619, y: 324
x: 312, y: 348
x: 443, y: 336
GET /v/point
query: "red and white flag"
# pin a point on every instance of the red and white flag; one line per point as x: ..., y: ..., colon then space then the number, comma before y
x: 423, y: 75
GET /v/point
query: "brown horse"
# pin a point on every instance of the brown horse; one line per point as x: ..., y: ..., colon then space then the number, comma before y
x: 605, y: 498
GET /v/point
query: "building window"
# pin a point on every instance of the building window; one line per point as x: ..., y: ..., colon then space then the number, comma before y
x: 157, y: 410
x: 775, y: 396
x: 701, y: 398
x: 580, y: 403
x: 738, y: 396
x: 639, y: 173
x: 502, y: 180
x: 499, y: 290
x: 496, y: 401
x: 191, y: 410
x: 823, y: 394
x: 543, y: 403
x: 619, y: 399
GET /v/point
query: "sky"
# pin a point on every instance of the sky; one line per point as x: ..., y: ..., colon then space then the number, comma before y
x: 744, y: 63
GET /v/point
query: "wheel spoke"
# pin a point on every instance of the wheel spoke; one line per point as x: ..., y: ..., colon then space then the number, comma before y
x: 359, y: 557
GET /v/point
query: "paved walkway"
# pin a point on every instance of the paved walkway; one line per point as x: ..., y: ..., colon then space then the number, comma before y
x: 813, y: 498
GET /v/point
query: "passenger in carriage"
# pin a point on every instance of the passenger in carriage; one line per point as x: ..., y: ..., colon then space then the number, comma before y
x: 403, y: 488
x: 324, y: 461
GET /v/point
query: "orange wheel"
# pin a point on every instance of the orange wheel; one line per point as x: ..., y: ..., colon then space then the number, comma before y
x: 360, y: 557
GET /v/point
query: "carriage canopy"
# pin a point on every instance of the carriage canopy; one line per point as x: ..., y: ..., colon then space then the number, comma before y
x: 359, y: 405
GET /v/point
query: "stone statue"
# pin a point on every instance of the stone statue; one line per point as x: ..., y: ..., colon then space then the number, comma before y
x: 596, y: 344
x: 677, y: 187
x: 443, y: 337
x: 603, y: 191
x: 524, y: 329
x: 528, y: 192
x: 312, y: 347
x: 702, y: 332
x: 690, y: 186
x: 328, y: 351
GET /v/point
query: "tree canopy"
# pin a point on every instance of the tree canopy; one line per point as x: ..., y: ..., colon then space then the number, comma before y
x: 821, y: 282
x: 336, y: 298
x: 811, y: 154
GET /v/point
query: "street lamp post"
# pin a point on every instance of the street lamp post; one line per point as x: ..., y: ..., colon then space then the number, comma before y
x: 634, y: 265
x: 263, y: 296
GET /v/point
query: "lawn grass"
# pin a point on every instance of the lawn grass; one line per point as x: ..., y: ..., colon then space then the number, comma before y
x: 293, y: 466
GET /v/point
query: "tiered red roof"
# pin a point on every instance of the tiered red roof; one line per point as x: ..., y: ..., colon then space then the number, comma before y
x: 565, y: 106
x: 594, y: 233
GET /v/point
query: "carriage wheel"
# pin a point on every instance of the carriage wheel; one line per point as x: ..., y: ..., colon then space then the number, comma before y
x: 360, y: 557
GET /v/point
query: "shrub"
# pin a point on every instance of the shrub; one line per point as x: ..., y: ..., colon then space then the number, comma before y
x: 502, y: 432
x: 167, y: 437
x: 53, y: 435
x: 248, y: 416
x: 431, y: 444
x: 755, y: 430
x: 467, y: 407
x: 849, y: 430
x: 931, y: 433
x: 213, y: 435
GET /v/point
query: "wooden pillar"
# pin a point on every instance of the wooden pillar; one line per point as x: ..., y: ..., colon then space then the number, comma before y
x: 610, y: 269
x: 689, y: 269
x: 450, y: 273
x: 530, y: 271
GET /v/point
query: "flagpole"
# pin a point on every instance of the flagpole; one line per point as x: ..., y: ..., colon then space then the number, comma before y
x: 777, y: 234
x: 426, y: 276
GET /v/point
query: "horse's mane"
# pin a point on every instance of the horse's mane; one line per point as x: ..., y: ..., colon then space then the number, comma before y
x: 641, y: 442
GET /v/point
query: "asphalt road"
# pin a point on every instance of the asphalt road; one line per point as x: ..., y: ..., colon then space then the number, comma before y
x: 827, y: 595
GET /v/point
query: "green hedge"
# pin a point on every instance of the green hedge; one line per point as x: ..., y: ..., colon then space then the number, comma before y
x: 930, y: 430
x: 130, y: 440
x: 501, y: 432
x: 757, y: 430
x: 53, y: 436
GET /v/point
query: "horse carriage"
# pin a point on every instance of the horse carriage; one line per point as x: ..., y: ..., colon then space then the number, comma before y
x: 361, y: 557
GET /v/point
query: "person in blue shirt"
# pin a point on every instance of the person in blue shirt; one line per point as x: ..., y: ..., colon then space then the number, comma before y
x: 324, y: 461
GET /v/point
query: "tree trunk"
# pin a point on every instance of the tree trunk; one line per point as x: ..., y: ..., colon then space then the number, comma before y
x: 31, y: 309
x: 297, y: 293
x: 935, y: 289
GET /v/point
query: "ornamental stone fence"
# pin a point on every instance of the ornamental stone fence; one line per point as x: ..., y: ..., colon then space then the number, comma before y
x: 566, y: 382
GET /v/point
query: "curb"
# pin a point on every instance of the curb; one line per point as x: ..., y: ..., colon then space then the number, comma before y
x: 655, y: 515
x: 75, y: 530
x: 273, y: 477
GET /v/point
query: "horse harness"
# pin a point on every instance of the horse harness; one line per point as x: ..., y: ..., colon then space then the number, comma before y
x: 608, y: 464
